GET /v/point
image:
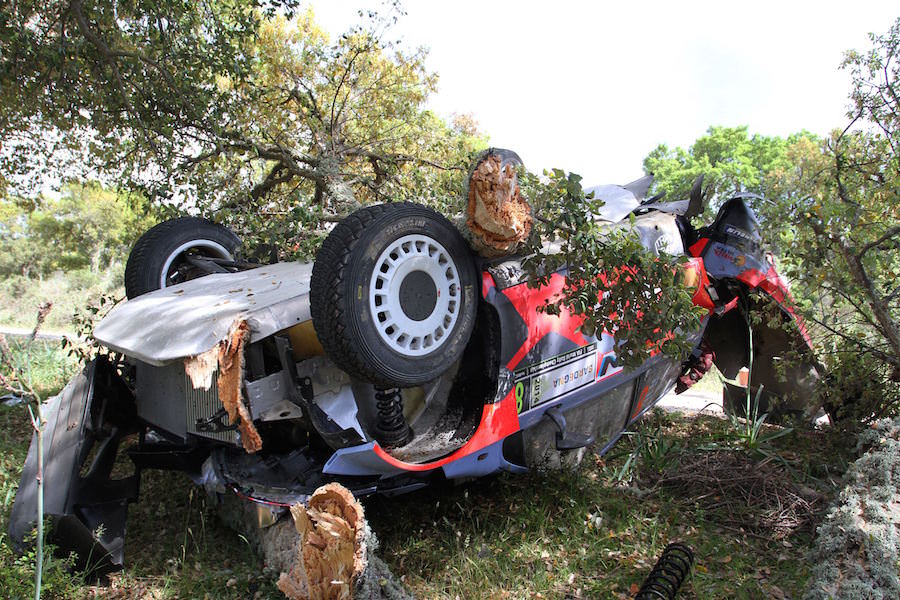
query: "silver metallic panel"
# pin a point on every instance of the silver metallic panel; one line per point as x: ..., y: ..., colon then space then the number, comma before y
x: 202, y: 404
x: 160, y: 396
x: 618, y: 201
x: 190, y: 318
x: 269, y: 400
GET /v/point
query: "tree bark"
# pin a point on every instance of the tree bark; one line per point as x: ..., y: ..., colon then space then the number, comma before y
x: 336, y: 192
x: 325, y: 551
x: 498, y: 218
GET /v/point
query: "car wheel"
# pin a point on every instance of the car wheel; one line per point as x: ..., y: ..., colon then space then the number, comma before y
x: 393, y: 294
x: 158, y: 259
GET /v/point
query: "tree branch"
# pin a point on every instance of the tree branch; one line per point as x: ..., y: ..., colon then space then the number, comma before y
x: 278, y: 175
x: 77, y: 11
x: 890, y: 233
x: 400, y: 158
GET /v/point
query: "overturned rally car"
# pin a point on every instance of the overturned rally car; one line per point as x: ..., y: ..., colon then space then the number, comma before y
x: 398, y: 357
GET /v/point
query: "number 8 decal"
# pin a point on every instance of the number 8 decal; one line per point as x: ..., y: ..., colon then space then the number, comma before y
x: 520, y: 396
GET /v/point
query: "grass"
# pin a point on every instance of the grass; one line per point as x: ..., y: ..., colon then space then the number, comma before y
x: 580, y: 534
x: 17, y: 572
x: 69, y: 292
x: 590, y: 533
x: 51, y: 366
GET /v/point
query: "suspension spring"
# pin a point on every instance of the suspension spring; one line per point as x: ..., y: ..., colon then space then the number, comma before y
x: 668, y: 573
x: 391, y: 429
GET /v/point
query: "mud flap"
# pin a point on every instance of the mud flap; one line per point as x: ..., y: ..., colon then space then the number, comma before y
x: 85, y: 506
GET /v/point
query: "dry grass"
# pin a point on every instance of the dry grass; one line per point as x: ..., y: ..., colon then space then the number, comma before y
x: 742, y: 493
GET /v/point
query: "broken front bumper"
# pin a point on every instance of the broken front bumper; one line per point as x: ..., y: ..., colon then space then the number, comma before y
x: 86, y: 505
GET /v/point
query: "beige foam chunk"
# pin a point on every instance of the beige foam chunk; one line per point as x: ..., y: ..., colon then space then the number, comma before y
x: 201, y: 368
x: 231, y: 373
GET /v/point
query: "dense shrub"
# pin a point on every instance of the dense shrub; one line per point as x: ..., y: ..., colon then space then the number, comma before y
x: 856, y: 550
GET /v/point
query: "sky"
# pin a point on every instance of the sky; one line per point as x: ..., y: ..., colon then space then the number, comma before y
x: 593, y: 87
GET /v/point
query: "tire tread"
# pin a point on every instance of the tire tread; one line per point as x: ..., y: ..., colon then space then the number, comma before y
x: 328, y: 289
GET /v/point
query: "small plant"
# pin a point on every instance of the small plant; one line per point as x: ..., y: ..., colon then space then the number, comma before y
x: 17, y: 378
x: 653, y: 452
x: 83, y: 346
x: 750, y: 430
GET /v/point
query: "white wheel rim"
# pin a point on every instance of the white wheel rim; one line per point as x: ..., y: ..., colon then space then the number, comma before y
x: 404, y: 256
x: 212, y: 249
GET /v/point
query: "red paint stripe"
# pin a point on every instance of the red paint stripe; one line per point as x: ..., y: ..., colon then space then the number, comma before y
x: 487, y: 284
x: 497, y: 421
x: 696, y: 249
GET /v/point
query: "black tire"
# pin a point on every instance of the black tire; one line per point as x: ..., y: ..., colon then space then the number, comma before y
x: 162, y: 246
x: 410, y: 241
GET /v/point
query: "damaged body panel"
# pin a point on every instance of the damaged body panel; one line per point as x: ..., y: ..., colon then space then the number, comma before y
x: 87, y: 504
x: 191, y: 318
x: 263, y: 387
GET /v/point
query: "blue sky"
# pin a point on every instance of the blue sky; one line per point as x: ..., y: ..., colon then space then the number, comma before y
x: 592, y: 87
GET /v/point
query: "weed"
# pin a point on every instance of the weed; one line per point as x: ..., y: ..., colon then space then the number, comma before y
x: 650, y: 451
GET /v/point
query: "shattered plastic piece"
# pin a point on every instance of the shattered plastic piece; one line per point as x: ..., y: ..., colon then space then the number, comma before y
x: 331, y: 554
x: 231, y: 370
x: 498, y: 217
x: 201, y: 368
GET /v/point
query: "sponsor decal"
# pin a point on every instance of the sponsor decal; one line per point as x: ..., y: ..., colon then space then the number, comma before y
x: 541, y: 382
x: 723, y: 252
x: 732, y: 230
x: 607, y: 368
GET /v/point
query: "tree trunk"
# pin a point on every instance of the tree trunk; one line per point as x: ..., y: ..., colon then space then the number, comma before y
x: 336, y: 193
x: 498, y: 218
x: 324, y: 552
x: 879, y: 308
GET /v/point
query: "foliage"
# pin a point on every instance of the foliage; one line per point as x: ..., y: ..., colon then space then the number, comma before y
x: 613, y: 282
x: 17, y: 570
x: 651, y: 452
x: 844, y: 246
x: 857, y: 549
x: 750, y: 431
x: 242, y: 107
x: 87, y: 228
x: 16, y: 376
x: 111, y: 83
x: 729, y: 158
x: 51, y: 366
x: 840, y: 242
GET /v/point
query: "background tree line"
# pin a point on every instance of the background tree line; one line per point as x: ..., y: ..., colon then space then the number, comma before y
x: 244, y: 110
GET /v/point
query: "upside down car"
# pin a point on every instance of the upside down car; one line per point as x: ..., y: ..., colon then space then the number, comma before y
x: 397, y: 357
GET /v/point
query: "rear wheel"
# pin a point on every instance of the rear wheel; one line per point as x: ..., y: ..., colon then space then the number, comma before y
x: 161, y: 257
x: 393, y: 294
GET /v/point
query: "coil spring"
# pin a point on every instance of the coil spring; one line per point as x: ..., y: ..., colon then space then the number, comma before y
x: 391, y: 428
x: 668, y: 573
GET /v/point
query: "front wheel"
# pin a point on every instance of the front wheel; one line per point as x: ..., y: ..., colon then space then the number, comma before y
x: 393, y: 294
